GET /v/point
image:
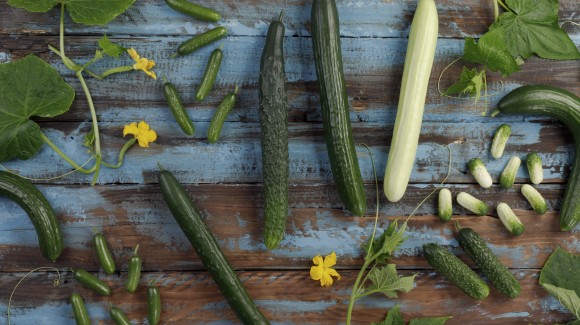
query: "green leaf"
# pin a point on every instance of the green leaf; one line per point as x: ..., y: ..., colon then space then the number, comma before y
x: 34, y: 5
x: 532, y: 28
x: 110, y: 48
x: 430, y: 320
x: 394, y: 317
x: 387, y: 281
x: 88, y: 12
x: 470, y: 82
x: 28, y: 87
x: 561, y: 270
x: 568, y: 298
x: 387, y: 243
x: 491, y: 51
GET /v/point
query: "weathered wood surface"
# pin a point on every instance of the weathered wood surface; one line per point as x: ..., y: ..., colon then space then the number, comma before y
x: 193, y: 298
x: 224, y: 179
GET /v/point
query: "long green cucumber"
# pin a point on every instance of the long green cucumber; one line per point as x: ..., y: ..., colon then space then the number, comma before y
x: 334, y: 106
x: 274, y: 131
x: 35, y: 204
x: 564, y: 106
x: 209, y: 252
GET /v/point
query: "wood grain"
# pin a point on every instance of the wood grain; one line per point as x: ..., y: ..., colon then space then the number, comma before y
x: 193, y: 298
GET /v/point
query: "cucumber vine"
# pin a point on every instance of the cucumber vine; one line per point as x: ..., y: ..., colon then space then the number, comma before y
x: 38, y: 81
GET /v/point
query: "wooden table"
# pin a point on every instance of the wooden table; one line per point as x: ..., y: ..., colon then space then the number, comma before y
x: 224, y: 179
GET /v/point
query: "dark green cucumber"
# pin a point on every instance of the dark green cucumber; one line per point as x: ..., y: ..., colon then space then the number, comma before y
x: 79, y: 310
x: 457, y: 272
x: 274, y: 134
x: 476, y: 248
x: 222, y: 111
x: 201, y: 40
x: 334, y: 106
x: 209, y: 75
x: 90, y: 281
x: 177, y: 109
x: 134, y: 273
x: 191, y: 223
x: 119, y: 316
x: 153, y: 305
x: 104, y: 253
x: 35, y: 204
x: 564, y: 106
x: 193, y: 10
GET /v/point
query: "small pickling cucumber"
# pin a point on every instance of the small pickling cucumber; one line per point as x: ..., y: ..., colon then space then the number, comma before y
x: 219, y: 117
x: 456, y: 271
x: 153, y: 304
x: 210, y: 74
x: 35, y: 204
x: 564, y: 106
x: 499, y: 140
x: 480, y: 173
x: 508, y: 175
x: 177, y: 109
x: 91, y: 282
x: 476, y: 248
x: 134, y: 274
x: 201, y: 40
x: 535, y: 198
x: 472, y: 204
x: 119, y: 316
x: 79, y: 310
x: 508, y: 218
x: 104, y: 253
x: 445, y: 207
x: 194, y: 10
x: 535, y: 168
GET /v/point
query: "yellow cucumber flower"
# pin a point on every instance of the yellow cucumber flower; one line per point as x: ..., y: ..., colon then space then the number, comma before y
x: 142, y: 133
x: 142, y: 63
x: 322, y: 269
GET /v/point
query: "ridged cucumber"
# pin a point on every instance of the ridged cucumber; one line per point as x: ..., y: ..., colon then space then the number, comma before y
x: 35, y: 204
x: 334, y: 106
x: 274, y: 131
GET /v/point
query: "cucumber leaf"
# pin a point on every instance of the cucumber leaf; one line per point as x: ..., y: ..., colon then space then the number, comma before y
x: 560, y: 277
x: 386, y: 280
x: 111, y: 49
x: 568, y: 298
x: 28, y: 87
x: 470, y: 82
x: 531, y: 27
x: 430, y: 320
x: 491, y: 51
x: 387, y: 243
x: 88, y: 12
x: 394, y: 317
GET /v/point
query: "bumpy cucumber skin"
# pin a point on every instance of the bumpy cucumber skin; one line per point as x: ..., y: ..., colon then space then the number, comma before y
x: 457, y: 272
x: 209, y: 252
x: 177, y: 109
x: 476, y: 248
x: 79, y: 310
x: 217, y: 121
x: 201, y: 40
x: 35, y: 204
x: 153, y: 305
x: 104, y: 254
x: 564, y: 106
x: 334, y: 106
x: 194, y: 10
x: 91, y: 282
x: 274, y: 135
x: 210, y: 74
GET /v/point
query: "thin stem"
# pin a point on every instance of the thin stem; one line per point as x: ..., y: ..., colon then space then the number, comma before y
x: 109, y: 72
x: 495, y: 10
x: 65, y: 157
x: 354, y: 290
x: 126, y: 147
x: 503, y: 5
x: 61, y: 38
x: 98, y: 157
x: 49, y: 178
x: 71, y: 64
x: 56, y: 282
